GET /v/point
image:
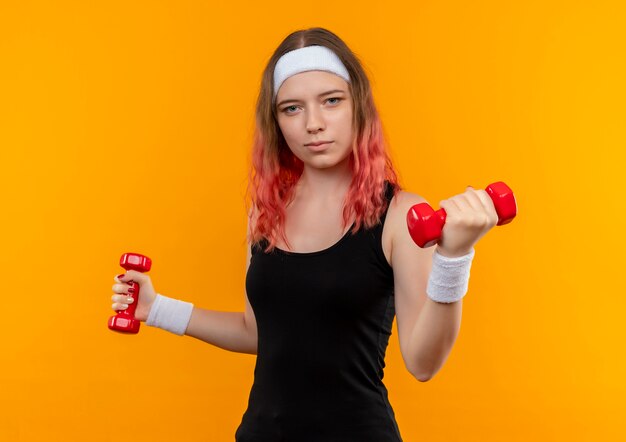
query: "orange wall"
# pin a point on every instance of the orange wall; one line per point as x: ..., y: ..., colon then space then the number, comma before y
x: 126, y: 126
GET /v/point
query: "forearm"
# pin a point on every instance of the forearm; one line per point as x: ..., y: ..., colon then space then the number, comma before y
x: 433, y: 337
x: 225, y: 330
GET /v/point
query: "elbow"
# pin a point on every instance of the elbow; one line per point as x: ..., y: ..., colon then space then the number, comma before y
x: 421, y: 376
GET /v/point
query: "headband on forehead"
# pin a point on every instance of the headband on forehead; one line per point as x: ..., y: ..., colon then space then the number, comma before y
x: 309, y: 58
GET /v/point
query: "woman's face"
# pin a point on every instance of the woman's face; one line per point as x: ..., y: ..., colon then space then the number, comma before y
x: 306, y: 114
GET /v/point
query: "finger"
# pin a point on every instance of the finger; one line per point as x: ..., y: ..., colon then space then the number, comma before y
x: 450, y: 207
x: 466, y: 211
x: 470, y: 211
x: 121, y: 288
x: 124, y: 279
x: 488, y: 204
x: 474, y: 201
x: 133, y: 276
x: 117, y: 306
x: 122, y: 299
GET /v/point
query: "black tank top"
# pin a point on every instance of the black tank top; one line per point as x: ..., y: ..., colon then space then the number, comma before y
x: 324, y: 319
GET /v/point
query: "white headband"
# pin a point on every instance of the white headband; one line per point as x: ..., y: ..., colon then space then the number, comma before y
x: 309, y: 58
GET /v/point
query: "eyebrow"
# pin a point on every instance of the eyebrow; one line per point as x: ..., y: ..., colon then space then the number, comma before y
x: 320, y: 95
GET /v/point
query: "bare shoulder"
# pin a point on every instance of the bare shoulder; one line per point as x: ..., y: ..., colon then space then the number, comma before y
x: 396, y: 217
x: 406, y: 199
x: 399, y: 207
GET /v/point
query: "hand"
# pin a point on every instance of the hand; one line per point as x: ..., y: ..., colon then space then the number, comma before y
x: 147, y: 295
x: 469, y: 216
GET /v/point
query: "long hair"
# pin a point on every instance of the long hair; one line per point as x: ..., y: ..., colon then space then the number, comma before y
x: 275, y: 170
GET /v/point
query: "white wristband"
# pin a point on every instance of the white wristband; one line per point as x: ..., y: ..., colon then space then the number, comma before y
x: 449, y: 277
x: 170, y: 314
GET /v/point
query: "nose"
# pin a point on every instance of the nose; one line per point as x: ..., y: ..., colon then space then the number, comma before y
x: 314, y: 121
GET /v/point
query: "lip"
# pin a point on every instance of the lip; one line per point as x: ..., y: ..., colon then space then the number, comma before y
x: 318, y: 147
x: 318, y: 143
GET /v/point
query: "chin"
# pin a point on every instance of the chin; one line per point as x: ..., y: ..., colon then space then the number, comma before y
x: 327, y: 163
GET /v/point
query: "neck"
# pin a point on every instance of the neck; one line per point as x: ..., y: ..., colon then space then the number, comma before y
x: 328, y: 184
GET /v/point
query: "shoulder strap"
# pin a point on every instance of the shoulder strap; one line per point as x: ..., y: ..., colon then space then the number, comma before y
x: 388, y: 197
x: 388, y: 190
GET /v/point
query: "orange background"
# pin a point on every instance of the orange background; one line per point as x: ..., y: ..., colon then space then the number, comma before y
x: 126, y: 127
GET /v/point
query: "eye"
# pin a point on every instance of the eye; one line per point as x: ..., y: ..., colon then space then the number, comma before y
x: 285, y: 109
x: 288, y: 107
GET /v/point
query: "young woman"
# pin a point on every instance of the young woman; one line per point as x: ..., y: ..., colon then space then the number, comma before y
x: 331, y: 261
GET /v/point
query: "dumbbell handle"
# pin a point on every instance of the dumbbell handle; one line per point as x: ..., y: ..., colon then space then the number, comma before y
x: 425, y: 225
x: 124, y: 321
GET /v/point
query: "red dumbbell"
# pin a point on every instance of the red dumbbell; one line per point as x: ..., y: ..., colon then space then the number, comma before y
x: 425, y: 225
x: 125, y: 321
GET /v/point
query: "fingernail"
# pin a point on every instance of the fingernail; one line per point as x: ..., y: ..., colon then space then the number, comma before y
x: 131, y: 290
x: 129, y: 299
x: 120, y: 276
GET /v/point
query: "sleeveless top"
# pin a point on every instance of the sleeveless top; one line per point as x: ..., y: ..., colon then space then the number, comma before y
x: 324, y: 320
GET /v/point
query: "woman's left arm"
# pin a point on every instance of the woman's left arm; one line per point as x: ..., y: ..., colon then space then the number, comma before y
x: 427, y: 329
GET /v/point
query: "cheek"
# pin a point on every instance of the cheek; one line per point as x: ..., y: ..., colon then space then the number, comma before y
x: 287, y: 130
x: 347, y: 129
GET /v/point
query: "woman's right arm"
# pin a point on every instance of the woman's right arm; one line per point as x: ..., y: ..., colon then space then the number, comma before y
x: 234, y: 331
